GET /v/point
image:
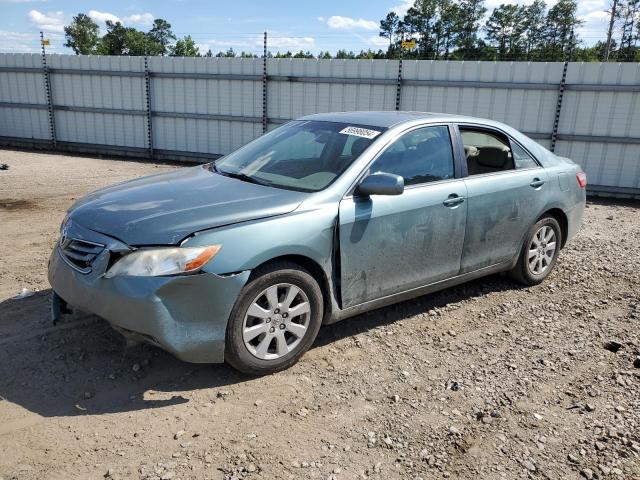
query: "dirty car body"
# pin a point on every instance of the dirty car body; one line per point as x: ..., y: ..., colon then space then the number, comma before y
x: 468, y: 192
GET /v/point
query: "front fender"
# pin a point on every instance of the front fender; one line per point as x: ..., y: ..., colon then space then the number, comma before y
x: 249, y: 244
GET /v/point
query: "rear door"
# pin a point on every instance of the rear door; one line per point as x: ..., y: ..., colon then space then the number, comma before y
x: 506, y: 192
x: 389, y: 244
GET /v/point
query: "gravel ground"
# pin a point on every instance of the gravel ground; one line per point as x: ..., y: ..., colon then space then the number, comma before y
x: 485, y: 380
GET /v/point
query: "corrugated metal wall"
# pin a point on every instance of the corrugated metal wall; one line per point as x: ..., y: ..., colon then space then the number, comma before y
x: 204, y: 107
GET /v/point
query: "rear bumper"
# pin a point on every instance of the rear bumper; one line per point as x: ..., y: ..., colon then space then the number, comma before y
x: 575, y: 215
x: 185, y: 315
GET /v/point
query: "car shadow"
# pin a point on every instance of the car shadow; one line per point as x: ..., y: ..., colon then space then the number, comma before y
x: 83, y: 367
x: 409, y: 308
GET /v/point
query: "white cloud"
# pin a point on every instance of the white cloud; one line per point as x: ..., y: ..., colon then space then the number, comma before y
x: 140, y: 18
x: 379, y: 41
x: 103, y: 16
x: 402, y: 8
x: 321, y: 19
x: 347, y: 23
x: 295, y: 43
x: 47, y: 22
x: 18, y: 42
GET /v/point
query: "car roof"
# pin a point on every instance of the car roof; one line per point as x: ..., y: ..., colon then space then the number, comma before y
x: 388, y: 119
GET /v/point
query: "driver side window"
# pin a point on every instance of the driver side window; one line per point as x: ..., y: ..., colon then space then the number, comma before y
x: 420, y: 156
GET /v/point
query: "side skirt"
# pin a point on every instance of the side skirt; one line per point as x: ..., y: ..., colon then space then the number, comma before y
x: 417, y: 292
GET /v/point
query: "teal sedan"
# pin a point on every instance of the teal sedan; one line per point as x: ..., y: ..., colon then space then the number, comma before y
x: 326, y: 217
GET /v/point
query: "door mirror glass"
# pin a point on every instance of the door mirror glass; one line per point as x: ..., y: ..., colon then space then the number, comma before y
x: 381, y: 183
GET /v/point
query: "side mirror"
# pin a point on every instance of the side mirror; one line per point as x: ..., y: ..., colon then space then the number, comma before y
x: 381, y: 183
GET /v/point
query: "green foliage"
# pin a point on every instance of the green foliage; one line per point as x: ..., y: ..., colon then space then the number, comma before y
x: 389, y: 26
x: 121, y: 40
x: 186, y: 47
x: 505, y: 29
x: 160, y: 37
x: 229, y: 53
x: 442, y: 29
x: 81, y: 35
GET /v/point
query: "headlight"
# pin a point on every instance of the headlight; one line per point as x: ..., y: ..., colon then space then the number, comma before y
x: 163, y: 261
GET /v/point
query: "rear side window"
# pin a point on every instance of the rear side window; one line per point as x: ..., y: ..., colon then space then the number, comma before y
x: 522, y: 158
x: 420, y: 156
x: 486, y: 152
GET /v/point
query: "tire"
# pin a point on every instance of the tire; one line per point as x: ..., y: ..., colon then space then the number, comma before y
x: 531, y: 272
x: 247, y: 335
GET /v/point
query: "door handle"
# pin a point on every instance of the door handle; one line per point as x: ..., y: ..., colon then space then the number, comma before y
x: 537, y: 183
x: 453, y: 200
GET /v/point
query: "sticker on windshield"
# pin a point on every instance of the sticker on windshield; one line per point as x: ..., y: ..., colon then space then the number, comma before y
x: 360, y: 132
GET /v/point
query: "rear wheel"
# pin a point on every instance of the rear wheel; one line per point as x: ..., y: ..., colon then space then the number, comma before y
x: 539, y: 252
x: 275, y: 320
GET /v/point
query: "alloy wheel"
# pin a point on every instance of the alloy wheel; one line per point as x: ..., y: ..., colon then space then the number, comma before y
x: 542, y: 250
x: 276, y: 321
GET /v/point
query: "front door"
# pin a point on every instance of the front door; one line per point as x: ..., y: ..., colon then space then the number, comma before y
x: 389, y: 244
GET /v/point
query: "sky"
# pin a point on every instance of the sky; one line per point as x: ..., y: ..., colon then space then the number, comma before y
x: 326, y: 25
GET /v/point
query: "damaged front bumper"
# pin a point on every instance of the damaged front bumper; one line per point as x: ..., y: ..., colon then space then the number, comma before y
x: 185, y: 315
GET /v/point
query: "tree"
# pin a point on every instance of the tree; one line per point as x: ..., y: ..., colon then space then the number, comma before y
x: 630, y: 30
x: 389, y: 26
x: 505, y: 28
x: 560, y: 37
x: 343, y: 54
x: 445, y: 27
x: 160, y: 37
x: 186, y: 47
x: 121, y: 40
x: 228, y: 54
x: 421, y: 20
x: 470, y: 14
x: 534, y: 26
x: 82, y: 35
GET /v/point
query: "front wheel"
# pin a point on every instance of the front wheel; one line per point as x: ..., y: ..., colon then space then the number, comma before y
x: 539, y: 252
x: 275, y: 319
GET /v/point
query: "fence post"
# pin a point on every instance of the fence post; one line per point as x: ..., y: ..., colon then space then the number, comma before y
x: 399, y: 84
x: 556, y: 120
x: 147, y: 89
x: 265, y: 120
x: 48, y: 95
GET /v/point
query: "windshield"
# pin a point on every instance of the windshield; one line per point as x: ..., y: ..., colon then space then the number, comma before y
x: 301, y: 155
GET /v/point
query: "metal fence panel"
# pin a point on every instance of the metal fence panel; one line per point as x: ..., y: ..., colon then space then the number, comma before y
x: 603, y: 113
x: 209, y: 94
x: 204, y: 107
x: 23, y: 87
x: 289, y: 97
x: 98, y: 92
x: 530, y: 110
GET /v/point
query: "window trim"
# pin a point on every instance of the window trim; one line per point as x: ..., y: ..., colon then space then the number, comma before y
x: 535, y: 160
x: 494, y: 130
x: 457, y: 172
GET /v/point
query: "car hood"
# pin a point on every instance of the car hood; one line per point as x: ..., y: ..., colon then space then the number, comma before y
x: 164, y: 209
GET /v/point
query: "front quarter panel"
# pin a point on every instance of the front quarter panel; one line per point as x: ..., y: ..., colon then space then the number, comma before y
x: 305, y: 232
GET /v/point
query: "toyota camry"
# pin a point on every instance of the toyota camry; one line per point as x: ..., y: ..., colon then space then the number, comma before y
x: 328, y: 216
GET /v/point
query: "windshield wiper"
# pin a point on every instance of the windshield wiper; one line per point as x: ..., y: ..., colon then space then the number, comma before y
x: 242, y: 176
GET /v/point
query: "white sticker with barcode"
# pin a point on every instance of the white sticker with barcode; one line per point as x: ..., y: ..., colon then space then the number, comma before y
x: 360, y: 132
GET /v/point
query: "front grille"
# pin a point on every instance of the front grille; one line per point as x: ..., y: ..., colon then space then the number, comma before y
x: 80, y: 254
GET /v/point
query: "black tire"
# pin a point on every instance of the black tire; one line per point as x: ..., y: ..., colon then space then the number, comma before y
x: 237, y: 353
x: 522, y: 272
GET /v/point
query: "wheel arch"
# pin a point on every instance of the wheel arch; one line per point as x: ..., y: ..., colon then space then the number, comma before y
x: 316, y: 271
x: 562, y: 219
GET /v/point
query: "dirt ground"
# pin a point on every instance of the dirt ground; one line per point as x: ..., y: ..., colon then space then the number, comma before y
x: 485, y: 380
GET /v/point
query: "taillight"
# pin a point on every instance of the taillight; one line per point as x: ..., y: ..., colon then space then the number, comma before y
x: 581, y: 177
